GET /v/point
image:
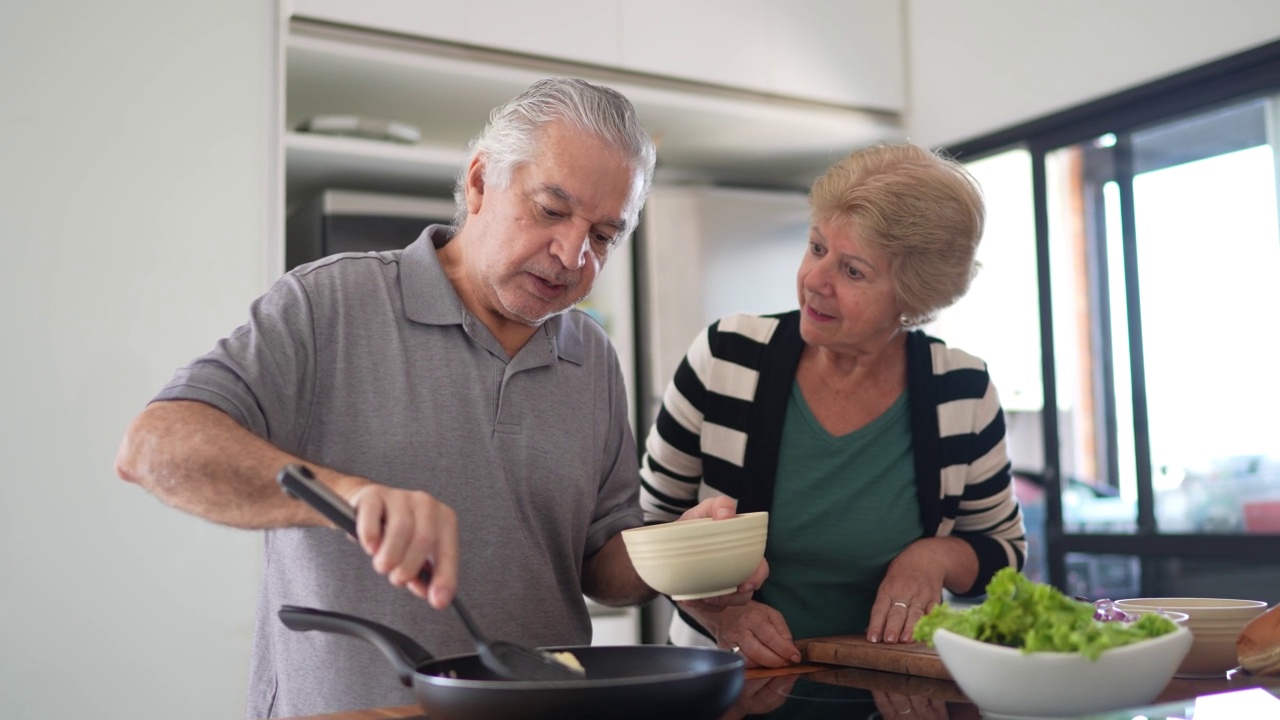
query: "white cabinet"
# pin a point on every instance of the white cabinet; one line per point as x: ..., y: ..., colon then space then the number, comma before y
x: 845, y: 53
x: 704, y: 133
x: 577, y: 30
x: 849, y: 53
x: 699, y: 41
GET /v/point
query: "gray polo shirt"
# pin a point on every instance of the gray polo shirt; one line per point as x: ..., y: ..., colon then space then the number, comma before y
x: 369, y: 364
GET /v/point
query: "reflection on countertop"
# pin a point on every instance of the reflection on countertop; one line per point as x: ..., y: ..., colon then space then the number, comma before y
x: 813, y: 692
x: 857, y: 694
x: 850, y: 693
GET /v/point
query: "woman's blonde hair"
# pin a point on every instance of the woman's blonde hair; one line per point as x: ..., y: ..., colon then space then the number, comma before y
x: 922, y: 209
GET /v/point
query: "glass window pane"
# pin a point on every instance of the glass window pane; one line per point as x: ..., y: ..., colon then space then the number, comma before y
x: 1208, y: 259
x: 1082, y: 220
x: 1126, y: 454
x: 1103, y: 576
x: 999, y: 321
x: 1208, y: 252
x: 1005, y: 286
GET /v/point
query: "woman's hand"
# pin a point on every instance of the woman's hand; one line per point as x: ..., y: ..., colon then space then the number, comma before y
x: 755, y: 631
x: 913, y: 585
x: 723, y: 508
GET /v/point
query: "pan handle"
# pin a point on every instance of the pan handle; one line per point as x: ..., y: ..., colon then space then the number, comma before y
x: 405, y: 654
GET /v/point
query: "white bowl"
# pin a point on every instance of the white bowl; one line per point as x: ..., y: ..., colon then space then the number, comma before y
x: 1178, y: 618
x: 1216, y: 624
x: 1004, y: 681
x: 694, y: 559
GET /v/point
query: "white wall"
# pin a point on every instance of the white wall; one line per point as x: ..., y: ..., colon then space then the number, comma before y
x: 134, y: 204
x: 979, y: 66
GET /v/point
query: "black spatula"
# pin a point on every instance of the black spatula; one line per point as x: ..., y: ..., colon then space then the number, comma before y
x: 512, y: 661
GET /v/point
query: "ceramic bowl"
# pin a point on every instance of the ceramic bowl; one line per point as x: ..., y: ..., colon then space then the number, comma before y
x: 1179, y: 618
x: 1216, y: 624
x: 693, y: 559
x: 1005, y: 682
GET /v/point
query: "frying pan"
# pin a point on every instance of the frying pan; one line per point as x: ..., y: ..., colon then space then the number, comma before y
x: 623, y: 682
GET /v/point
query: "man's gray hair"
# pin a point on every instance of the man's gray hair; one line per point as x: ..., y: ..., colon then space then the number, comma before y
x: 512, y: 135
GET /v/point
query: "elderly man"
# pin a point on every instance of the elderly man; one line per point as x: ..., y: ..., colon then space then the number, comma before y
x: 445, y: 391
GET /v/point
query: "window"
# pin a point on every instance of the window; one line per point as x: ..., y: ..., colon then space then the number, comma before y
x: 1158, y: 234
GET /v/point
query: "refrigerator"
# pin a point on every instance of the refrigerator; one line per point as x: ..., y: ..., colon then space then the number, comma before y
x: 702, y: 253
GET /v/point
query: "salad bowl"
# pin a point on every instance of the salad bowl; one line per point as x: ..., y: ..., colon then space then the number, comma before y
x: 1028, y: 650
x: 1010, y: 683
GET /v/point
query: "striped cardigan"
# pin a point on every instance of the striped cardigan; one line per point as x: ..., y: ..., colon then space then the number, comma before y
x: 719, y: 432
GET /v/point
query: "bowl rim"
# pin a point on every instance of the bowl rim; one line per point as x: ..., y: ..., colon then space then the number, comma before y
x: 1185, y: 617
x: 742, y: 519
x: 1059, y: 654
x: 1199, y: 603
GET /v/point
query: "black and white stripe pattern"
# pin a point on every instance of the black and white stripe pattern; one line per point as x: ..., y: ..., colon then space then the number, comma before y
x: 720, y: 426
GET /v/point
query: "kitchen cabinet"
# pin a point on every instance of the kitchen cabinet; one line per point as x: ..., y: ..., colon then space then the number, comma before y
x: 577, y: 30
x: 847, y: 54
x: 705, y: 134
x: 842, y: 53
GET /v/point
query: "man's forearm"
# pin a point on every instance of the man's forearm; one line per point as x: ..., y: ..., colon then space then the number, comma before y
x: 196, y: 458
x: 609, y: 578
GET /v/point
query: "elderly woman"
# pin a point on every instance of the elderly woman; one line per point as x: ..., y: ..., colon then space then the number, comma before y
x: 878, y: 451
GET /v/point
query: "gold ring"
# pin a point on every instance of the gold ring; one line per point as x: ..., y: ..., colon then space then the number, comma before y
x: 899, y: 604
x: 735, y: 649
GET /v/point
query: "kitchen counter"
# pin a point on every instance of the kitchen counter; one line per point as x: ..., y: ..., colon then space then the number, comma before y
x: 819, y: 692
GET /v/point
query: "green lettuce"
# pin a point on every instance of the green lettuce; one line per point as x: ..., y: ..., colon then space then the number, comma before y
x: 1036, y: 617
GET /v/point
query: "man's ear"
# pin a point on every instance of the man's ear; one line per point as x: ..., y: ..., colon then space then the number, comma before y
x: 475, y: 184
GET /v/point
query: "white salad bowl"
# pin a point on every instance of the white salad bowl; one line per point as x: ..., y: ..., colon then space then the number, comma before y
x: 1006, y: 682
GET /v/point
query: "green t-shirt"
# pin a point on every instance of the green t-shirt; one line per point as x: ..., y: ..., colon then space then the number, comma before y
x: 843, y: 507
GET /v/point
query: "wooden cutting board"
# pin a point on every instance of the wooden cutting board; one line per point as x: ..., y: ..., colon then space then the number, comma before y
x: 854, y: 651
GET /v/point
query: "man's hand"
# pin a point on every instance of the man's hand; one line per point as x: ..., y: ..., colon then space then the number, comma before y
x: 405, y: 531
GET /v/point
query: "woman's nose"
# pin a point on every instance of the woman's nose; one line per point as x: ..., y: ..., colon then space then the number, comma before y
x: 816, y: 278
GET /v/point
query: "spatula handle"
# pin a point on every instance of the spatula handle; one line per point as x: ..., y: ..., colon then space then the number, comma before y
x: 299, y: 482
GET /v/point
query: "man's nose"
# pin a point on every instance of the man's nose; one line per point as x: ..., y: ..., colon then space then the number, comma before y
x: 571, y: 245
